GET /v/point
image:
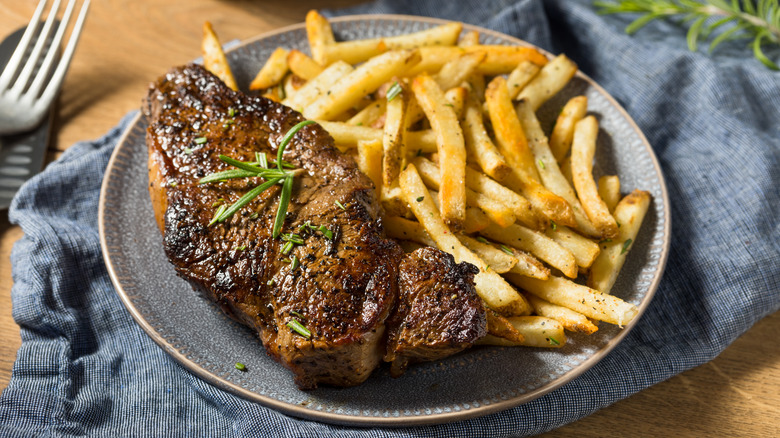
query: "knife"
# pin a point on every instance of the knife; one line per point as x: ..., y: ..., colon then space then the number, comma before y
x: 21, y: 155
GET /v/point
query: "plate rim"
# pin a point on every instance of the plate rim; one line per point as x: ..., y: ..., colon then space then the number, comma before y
x: 431, y: 419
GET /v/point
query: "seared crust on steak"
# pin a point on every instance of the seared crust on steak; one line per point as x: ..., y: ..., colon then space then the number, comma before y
x: 439, y: 312
x: 344, y: 288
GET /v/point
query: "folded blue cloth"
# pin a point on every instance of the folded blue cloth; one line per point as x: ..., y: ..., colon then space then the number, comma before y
x: 714, y: 121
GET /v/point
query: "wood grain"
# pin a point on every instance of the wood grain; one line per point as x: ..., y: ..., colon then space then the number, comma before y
x: 128, y: 43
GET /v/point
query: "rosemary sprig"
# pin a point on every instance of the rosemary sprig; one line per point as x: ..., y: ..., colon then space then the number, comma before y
x: 758, y: 20
x: 260, y: 169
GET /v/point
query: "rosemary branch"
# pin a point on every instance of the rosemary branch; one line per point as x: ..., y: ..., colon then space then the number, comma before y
x: 758, y: 20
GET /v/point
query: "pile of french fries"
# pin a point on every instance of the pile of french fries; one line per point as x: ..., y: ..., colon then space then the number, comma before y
x: 446, y: 128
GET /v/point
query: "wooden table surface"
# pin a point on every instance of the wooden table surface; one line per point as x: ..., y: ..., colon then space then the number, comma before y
x: 127, y: 43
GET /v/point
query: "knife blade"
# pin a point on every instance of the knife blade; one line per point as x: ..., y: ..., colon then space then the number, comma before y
x: 21, y: 155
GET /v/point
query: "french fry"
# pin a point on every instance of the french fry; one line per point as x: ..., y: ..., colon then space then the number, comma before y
x: 357, y: 51
x: 563, y: 131
x: 214, y: 58
x: 522, y: 209
x: 496, y: 292
x: 476, y: 84
x: 314, y: 88
x: 351, y: 88
x: 498, y: 59
x: 470, y: 38
x: 497, y: 259
x: 417, y: 142
x: 548, y: 169
x: 583, y: 149
x: 537, y: 331
x: 582, y: 299
x: 454, y: 72
x: 478, y: 143
x: 535, y: 243
x: 393, y: 139
x: 368, y: 115
x: 476, y: 219
x: 404, y: 229
x: 320, y: 35
x: 500, y: 327
x: 272, y: 72
x: 455, y: 98
x: 566, y: 169
x: 584, y: 250
x: 451, y: 149
x: 529, y: 266
x: 543, y: 201
x: 571, y: 320
x: 520, y: 77
x: 630, y: 212
x: 369, y: 160
x: 510, y: 138
x: 609, y: 191
x: 550, y: 80
x: 393, y: 200
x: 303, y: 66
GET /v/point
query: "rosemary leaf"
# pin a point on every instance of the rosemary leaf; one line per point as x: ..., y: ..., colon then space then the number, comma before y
x: 286, y: 140
x: 284, y: 201
x: 247, y: 198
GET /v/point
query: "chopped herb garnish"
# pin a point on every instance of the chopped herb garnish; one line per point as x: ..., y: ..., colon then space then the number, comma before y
x: 295, y: 263
x: 299, y: 328
x: 294, y: 313
x: 240, y: 366
x: 541, y: 164
x: 359, y: 124
x: 288, y: 246
x: 326, y: 232
x: 270, y: 282
x: 253, y: 216
x: 420, y: 198
x: 218, y: 214
x: 231, y: 112
x: 187, y: 151
x: 626, y: 244
x: 292, y: 238
x: 482, y: 239
x: 553, y: 341
x: 449, y: 105
x: 605, y: 240
x: 553, y: 225
x: 341, y: 206
x: 394, y: 91
x: 259, y: 169
x: 242, y: 247
x: 507, y: 250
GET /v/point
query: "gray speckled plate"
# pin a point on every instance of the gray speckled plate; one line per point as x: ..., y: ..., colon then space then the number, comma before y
x: 477, y: 382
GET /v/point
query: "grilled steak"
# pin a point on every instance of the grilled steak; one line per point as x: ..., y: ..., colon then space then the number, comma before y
x: 346, y: 284
x: 438, y: 313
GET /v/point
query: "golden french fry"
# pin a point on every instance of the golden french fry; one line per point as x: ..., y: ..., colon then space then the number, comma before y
x: 347, y: 136
x: 368, y: 115
x: 393, y: 201
x: 609, y: 191
x: 583, y: 149
x: 537, y: 331
x: 357, y: 51
x: 551, y: 206
x: 366, y: 78
x: 214, y: 58
x: 520, y: 77
x: 566, y: 170
x: 303, y: 66
x: 563, y: 131
x: 582, y: 299
x: 529, y: 266
x: 476, y: 219
x: 451, y: 149
x: 478, y: 143
x: 510, y: 138
x: 630, y: 212
x: 404, y: 229
x: 584, y: 250
x: 272, y: 72
x: 522, y: 209
x: 548, y: 169
x: 535, y: 243
x: 498, y: 59
x: 497, y: 259
x: 314, y: 88
x: 455, y: 98
x: 496, y: 293
x: 369, y: 160
x: 458, y: 70
x: 393, y: 141
x: 470, y: 38
x: 571, y: 320
x: 320, y: 35
x: 497, y: 211
x: 550, y: 80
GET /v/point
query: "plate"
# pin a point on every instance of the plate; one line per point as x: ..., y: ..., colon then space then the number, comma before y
x: 196, y: 333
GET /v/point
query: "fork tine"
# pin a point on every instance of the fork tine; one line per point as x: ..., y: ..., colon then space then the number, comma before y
x: 43, y: 73
x: 62, y: 67
x: 17, y: 57
x: 32, y: 61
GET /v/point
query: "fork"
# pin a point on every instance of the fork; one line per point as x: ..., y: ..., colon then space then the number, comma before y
x: 23, y: 99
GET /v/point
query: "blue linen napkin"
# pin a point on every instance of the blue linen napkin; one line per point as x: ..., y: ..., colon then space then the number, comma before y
x: 714, y: 121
